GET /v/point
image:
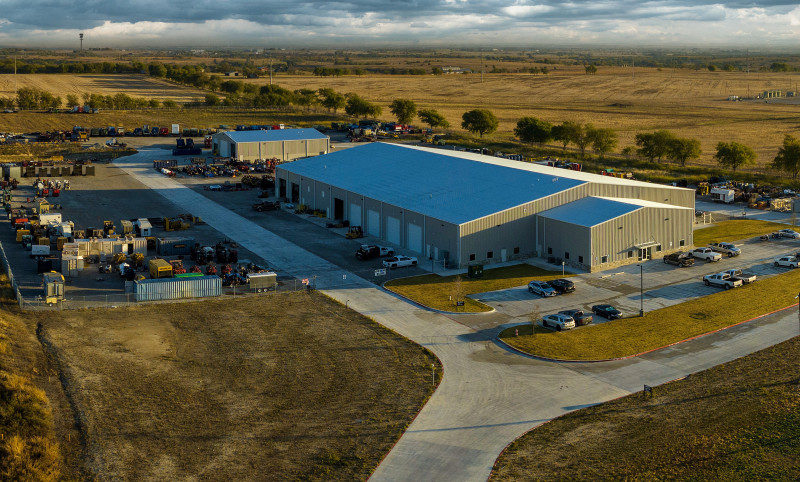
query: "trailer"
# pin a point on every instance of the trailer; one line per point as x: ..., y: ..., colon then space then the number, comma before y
x: 721, y: 195
x: 53, y: 284
x: 260, y: 282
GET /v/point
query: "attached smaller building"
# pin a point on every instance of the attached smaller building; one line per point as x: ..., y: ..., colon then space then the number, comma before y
x: 283, y: 144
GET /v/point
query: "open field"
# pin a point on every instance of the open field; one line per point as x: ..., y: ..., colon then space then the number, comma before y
x: 737, y: 421
x: 297, y: 387
x: 439, y: 292
x: 630, y: 336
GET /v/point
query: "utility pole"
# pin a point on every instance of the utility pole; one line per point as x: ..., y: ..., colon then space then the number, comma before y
x: 81, y: 37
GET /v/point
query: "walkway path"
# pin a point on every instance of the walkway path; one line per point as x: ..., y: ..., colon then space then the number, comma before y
x: 489, y: 396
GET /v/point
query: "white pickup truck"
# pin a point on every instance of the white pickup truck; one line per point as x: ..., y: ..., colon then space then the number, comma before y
x: 728, y: 249
x: 399, y: 262
x: 723, y: 280
x: 707, y: 254
x: 746, y: 278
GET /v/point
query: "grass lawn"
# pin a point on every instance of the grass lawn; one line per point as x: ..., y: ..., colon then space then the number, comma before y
x: 440, y: 292
x: 734, y: 230
x: 736, y: 421
x: 658, y: 328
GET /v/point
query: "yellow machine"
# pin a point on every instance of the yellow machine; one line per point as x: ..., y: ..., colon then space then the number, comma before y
x: 53, y: 284
x: 160, y: 268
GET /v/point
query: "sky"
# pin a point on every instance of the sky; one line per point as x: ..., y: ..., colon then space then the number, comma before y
x: 401, y: 23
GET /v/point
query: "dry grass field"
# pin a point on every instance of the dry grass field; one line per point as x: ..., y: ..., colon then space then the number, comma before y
x: 292, y: 387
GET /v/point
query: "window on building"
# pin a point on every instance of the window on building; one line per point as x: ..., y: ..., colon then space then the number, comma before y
x: 682, y: 243
x: 516, y: 250
x: 630, y: 254
x: 604, y: 259
x: 472, y: 257
x: 490, y: 255
x: 549, y: 250
x: 580, y: 259
x: 566, y: 254
x: 658, y: 248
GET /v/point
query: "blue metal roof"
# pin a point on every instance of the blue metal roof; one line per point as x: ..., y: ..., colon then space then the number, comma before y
x: 452, y: 189
x: 275, y: 135
x: 591, y: 211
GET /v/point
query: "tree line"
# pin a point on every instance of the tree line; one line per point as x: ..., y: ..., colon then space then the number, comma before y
x: 31, y: 98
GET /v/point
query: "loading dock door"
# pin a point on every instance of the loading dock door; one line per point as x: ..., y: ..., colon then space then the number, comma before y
x: 415, y: 238
x: 393, y: 230
x: 224, y: 149
x: 338, y: 209
x: 355, y: 215
x: 295, y: 193
x: 374, y: 223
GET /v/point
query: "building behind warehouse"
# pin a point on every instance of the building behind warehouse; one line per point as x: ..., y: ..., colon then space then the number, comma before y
x: 283, y: 144
x: 461, y: 208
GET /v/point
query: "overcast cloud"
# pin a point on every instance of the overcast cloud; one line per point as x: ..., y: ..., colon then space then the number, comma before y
x: 323, y: 23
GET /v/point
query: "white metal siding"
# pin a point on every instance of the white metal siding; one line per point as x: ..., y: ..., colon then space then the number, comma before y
x: 393, y: 230
x: 374, y: 223
x: 224, y: 148
x: 355, y: 215
x: 415, y: 238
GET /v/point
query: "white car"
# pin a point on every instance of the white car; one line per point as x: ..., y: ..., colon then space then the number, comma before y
x: 399, y: 262
x: 788, y: 261
x: 789, y: 233
x: 558, y: 321
x: 541, y: 288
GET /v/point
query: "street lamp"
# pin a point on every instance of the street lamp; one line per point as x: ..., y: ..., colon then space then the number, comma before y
x: 641, y: 290
x: 562, y: 268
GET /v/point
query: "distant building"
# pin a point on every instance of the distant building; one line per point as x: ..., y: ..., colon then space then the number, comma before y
x: 231, y: 74
x: 771, y: 94
x: 456, y: 70
x: 283, y: 144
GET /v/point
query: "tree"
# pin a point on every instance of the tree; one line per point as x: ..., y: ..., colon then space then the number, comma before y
x: 433, y: 118
x: 603, y: 140
x: 331, y: 100
x: 590, y: 69
x: 72, y: 100
x: 306, y: 97
x: 788, y: 158
x: 565, y: 132
x: 169, y: 104
x: 457, y: 290
x: 531, y: 130
x: 480, y: 121
x: 682, y: 149
x: 212, y: 99
x: 153, y: 103
x: 654, y: 146
x: 358, y: 107
x: 404, y: 110
x: 534, y: 316
x: 733, y: 155
x: 581, y: 137
x: 274, y: 96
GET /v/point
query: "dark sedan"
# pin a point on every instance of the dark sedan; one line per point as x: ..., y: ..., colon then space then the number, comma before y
x: 562, y: 285
x: 607, y: 311
x: 581, y: 318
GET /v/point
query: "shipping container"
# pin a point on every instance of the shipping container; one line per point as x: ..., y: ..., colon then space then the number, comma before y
x: 160, y: 268
x: 88, y: 170
x: 14, y: 172
x: 174, y: 246
x: 60, y: 242
x: 53, y: 287
x: 262, y: 281
x: 177, y: 288
x: 55, y: 171
x: 71, y: 265
x: 143, y: 227
x: 127, y: 226
x: 40, y: 250
x: 21, y: 233
x: 49, y: 218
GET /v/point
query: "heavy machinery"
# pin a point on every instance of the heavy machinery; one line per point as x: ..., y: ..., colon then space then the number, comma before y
x: 137, y: 259
x: 109, y: 228
x: 53, y: 284
x: 177, y: 266
x: 354, y: 232
x: 175, y: 224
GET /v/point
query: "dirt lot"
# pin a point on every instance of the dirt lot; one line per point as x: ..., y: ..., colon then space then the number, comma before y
x: 297, y: 387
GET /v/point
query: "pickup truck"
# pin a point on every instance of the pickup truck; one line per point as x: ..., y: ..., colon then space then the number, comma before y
x: 746, y: 278
x: 728, y: 249
x: 788, y: 261
x: 399, y: 262
x: 679, y: 258
x: 723, y: 280
x: 705, y: 253
x: 267, y: 206
x: 369, y: 251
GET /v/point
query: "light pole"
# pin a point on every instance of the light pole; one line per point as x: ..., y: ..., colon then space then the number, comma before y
x: 562, y: 268
x: 641, y: 290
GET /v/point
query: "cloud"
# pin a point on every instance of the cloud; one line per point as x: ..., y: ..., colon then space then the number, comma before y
x: 413, y: 22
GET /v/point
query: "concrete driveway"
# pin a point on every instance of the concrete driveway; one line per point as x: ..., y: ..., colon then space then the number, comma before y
x: 488, y: 396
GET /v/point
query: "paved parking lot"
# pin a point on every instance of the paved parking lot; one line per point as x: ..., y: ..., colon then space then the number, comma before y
x: 664, y: 285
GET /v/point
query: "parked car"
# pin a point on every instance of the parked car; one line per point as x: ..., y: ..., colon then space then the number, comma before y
x: 562, y: 285
x: 723, y: 280
x: 581, y: 318
x: 607, y: 311
x: 787, y: 261
x: 787, y: 233
x: 541, y: 288
x: 728, y: 249
x: 745, y: 278
x: 684, y: 260
x: 558, y: 321
x: 399, y: 262
x: 369, y: 251
x: 705, y: 253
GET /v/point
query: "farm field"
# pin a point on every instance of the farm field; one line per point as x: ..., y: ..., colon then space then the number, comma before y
x: 294, y: 386
x: 737, y: 421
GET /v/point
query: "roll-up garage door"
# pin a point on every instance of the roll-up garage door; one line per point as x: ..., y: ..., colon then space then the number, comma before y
x: 374, y: 223
x: 393, y: 230
x: 224, y: 149
x: 415, y: 238
x: 355, y: 215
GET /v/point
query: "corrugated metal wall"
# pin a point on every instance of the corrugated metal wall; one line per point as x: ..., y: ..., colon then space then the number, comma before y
x: 174, y: 246
x: 174, y: 289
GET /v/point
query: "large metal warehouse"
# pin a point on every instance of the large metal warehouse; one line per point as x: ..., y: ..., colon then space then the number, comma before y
x: 464, y: 208
x: 284, y: 144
